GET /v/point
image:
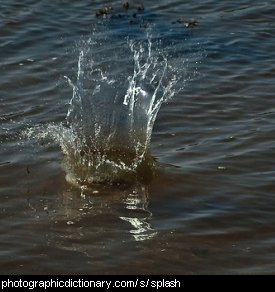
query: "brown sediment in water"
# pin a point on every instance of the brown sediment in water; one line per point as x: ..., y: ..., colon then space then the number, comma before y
x: 115, y: 166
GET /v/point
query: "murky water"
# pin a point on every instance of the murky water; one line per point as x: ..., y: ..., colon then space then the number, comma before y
x: 201, y: 198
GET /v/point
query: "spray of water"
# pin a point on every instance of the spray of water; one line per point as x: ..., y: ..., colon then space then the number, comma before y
x: 116, y: 96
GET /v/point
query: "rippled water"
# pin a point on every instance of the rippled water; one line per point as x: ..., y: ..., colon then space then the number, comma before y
x: 209, y: 206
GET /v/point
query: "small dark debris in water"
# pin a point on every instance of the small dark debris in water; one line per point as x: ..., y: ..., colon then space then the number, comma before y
x: 140, y: 8
x: 131, y: 21
x: 144, y: 25
x: 125, y: 5
x: 187, y: 23
x: 191, y: 24
x: 135, y: 15
x: 104, y: 11
x: 28, y: 170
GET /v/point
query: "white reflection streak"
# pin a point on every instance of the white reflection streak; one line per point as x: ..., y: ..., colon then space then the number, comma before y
x: 138, y: 200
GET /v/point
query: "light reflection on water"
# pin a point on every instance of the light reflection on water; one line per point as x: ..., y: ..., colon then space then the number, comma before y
x: 130, y: 206
x: 138, y: 200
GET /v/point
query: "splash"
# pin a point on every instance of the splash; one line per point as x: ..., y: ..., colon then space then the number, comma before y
x: 116, y: 96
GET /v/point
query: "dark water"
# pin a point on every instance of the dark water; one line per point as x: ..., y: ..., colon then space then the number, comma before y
x: 211, y: 206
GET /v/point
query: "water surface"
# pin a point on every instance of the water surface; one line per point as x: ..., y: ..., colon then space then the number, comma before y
x: 209, y: 207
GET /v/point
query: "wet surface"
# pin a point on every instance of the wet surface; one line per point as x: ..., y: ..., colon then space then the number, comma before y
x: 209, y: 209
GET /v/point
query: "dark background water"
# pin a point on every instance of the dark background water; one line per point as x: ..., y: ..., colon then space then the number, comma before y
x: 212, y: 207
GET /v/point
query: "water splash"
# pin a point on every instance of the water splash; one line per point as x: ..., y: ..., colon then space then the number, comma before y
x: 116, y: 96
x: 111, y: 126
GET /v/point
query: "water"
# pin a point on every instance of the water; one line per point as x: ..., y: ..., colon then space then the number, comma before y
x: 181, y: 185
x: 102, y: 112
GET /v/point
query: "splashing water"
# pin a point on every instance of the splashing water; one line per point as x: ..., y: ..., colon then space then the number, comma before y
x: 113, y: 108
